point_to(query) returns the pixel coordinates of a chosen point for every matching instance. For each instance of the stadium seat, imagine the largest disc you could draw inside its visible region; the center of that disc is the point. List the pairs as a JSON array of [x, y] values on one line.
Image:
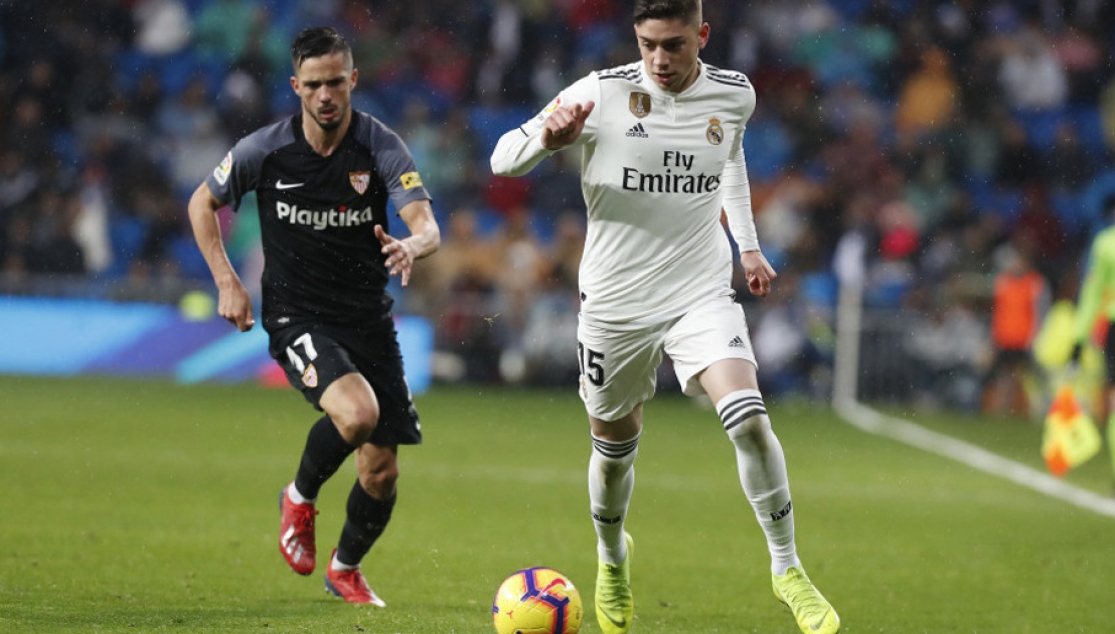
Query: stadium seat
[[191, 263], [67, 147], [126, 233], [129, 65], [768, 147], [1089, 129], [820, 288], [177, 70], [594, 42], [488, 221], [489, 123], [1068, 208], [1041, 126]]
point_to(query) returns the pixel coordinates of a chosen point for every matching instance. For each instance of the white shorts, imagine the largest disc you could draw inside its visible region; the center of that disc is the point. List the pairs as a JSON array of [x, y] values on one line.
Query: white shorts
[[618, 366]]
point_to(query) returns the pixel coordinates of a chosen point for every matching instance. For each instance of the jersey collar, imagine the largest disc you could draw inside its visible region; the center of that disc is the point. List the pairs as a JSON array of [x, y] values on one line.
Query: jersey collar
[[653, 87]]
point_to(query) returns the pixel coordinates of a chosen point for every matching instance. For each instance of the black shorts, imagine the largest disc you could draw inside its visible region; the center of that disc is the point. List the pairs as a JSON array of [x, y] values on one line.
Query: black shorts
[[315, 355]]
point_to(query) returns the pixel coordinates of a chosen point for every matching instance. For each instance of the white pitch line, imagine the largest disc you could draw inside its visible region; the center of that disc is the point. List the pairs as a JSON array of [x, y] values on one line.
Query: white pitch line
[[874, 422]]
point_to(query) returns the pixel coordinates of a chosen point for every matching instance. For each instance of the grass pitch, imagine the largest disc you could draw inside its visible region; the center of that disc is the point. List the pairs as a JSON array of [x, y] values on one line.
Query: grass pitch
[[139, 506]]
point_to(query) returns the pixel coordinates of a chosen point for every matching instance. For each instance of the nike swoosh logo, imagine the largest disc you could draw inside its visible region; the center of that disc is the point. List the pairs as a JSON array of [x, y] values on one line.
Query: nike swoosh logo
[[820, 622], [281, 185], [622, 623]]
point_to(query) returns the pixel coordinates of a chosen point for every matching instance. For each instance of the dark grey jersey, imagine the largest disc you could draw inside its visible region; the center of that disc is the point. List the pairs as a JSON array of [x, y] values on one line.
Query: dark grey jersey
[[317, 216]]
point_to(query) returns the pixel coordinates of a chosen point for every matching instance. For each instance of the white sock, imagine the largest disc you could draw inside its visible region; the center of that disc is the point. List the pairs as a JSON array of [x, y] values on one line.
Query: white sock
[[762, 473], [611, 478], [296, 497], [335, 564]]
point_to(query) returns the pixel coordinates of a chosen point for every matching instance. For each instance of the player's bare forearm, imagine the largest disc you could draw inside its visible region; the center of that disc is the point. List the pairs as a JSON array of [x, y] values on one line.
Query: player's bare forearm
[[424, 239], [425, 236], [202, 209], [234, 303]]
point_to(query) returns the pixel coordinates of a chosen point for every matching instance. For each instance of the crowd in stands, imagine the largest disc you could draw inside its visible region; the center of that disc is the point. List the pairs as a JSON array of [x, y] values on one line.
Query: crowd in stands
[[914, 145]]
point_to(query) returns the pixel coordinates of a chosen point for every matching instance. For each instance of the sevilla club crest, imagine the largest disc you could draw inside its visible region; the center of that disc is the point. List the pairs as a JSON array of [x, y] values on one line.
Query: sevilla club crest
[[360, 181]]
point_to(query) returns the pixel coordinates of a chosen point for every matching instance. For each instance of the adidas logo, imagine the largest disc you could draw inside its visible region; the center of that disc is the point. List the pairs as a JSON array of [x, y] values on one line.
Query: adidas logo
[[637, 130], [783, 512], [736, 342]]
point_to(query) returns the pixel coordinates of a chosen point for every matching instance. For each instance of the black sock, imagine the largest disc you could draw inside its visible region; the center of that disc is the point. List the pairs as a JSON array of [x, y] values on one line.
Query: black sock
[[325, 452], [367, 517]]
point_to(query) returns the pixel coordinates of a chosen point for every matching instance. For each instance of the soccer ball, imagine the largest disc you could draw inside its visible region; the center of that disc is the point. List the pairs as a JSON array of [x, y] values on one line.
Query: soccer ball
[[537, 601]]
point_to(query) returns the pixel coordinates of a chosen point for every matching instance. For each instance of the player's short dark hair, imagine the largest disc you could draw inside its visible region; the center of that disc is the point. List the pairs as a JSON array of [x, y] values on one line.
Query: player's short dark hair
[[318, 42], [684, 10]]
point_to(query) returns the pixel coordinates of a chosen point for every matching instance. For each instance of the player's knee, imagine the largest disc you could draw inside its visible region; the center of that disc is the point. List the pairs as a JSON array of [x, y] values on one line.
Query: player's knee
[[356, 420], [752, 429], [380, 480], [744, 416]]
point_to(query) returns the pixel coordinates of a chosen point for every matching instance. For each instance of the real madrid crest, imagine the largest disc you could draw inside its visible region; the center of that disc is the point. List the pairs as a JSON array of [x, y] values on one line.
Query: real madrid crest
[[360, 181], [714, 133], [639, 103]]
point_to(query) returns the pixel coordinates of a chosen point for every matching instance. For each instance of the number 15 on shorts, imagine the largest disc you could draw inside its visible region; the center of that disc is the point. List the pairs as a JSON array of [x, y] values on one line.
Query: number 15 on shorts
[[589, 363]]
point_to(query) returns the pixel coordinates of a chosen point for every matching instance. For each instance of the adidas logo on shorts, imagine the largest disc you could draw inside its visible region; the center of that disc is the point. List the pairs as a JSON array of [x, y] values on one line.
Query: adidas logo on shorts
[[736, 342], [637, 130]]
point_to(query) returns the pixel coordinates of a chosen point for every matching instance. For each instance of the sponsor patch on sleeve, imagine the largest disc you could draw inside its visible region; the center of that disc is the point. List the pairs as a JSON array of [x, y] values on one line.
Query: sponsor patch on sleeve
[[553, 105], [410, 180], [223, 170]]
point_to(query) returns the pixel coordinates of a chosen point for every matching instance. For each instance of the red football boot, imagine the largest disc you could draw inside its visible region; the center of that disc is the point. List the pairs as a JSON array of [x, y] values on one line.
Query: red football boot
[[296, 534]]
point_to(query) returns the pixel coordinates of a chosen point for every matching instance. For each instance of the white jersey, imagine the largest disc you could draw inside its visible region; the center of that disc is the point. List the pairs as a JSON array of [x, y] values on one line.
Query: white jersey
[[652, 166]]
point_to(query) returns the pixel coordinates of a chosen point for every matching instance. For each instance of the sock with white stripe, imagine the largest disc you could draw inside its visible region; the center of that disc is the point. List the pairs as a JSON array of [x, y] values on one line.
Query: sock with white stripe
[[611, 478], [762, 473]]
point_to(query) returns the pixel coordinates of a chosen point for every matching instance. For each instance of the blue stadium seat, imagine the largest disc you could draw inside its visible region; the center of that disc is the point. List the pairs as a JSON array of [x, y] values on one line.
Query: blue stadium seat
[[850, 9], [1068, 208], [488, 221], [67, 147], [820, 288], [177, 70], [129, 65], [489, 124], [195, 6], [126, 233], [768, 148], [543, 227], [191, 263], [594, 42], [1041, 126], [1089, 129]]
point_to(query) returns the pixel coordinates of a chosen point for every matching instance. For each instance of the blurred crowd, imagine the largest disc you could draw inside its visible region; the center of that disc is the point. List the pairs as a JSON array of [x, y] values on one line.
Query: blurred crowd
[[917, 147]]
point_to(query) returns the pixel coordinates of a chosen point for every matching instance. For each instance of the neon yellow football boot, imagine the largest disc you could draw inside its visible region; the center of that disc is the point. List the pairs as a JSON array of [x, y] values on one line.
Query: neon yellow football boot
[[615, 607], [812, 612]]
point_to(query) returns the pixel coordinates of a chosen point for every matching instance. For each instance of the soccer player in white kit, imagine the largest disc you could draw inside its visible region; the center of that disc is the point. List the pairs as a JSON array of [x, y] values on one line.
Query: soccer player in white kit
[[661, 155]]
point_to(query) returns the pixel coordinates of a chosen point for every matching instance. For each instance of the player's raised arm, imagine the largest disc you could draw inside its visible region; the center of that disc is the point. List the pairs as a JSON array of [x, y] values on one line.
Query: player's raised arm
[[234, 303], [565, 125], [555, 128]]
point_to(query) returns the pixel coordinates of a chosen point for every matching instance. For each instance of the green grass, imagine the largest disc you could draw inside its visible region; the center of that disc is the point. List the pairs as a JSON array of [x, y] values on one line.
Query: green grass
[[138, 506]]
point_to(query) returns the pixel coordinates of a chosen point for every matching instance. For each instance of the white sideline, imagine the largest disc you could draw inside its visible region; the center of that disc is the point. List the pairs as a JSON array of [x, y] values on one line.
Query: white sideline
[[874, 422]]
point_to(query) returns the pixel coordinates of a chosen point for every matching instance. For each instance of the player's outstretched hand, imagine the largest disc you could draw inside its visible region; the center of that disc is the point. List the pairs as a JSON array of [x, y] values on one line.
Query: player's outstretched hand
[[565, 124], [235, 305], [400, 257], [759, 272]]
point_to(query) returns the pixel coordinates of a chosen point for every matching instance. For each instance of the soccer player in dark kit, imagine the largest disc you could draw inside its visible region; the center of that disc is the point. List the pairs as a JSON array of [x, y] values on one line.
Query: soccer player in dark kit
[[323, 179]]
